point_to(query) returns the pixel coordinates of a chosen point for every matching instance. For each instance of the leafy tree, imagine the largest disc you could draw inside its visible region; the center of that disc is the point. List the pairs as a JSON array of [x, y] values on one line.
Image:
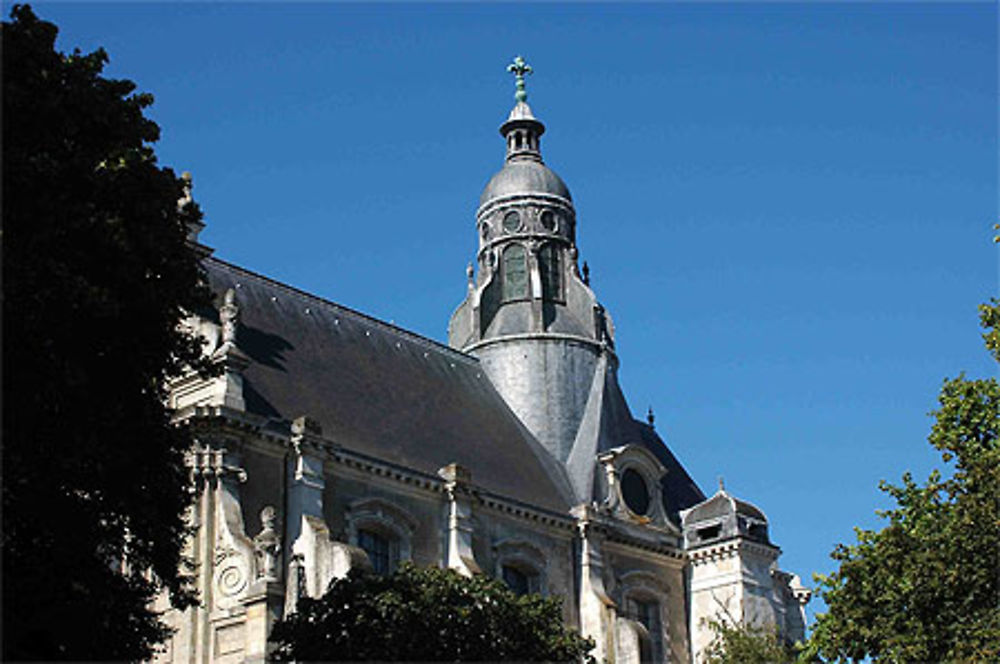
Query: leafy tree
[[429, 615], [96, 275], [927, 586], [745, 644]]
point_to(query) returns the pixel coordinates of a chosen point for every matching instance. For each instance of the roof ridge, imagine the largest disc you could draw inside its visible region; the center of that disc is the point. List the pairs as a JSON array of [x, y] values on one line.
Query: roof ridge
[[390, 327]]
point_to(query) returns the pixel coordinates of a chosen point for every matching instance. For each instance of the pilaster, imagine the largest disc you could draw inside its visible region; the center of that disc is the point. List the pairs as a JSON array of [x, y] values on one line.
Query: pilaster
[[460, 556]]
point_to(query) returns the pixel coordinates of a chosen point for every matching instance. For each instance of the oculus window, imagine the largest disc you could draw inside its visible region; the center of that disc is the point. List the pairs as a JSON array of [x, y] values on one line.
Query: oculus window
[[634, 491], [511, 221], [548, 220]]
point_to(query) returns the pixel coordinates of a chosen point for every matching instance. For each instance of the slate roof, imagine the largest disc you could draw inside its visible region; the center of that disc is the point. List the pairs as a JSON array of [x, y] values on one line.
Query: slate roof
[[382, 391], [680, 491]]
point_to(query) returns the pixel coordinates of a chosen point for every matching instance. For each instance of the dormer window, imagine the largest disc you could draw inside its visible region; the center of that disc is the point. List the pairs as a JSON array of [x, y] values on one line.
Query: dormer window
[[709, 532]]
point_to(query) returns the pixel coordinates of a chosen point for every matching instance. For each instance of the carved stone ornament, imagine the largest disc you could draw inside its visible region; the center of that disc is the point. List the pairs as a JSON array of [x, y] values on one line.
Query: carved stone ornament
[[229, 314], [267, 546]]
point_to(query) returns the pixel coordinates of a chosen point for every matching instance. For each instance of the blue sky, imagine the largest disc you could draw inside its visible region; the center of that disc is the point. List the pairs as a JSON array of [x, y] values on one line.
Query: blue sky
[[786, 208]]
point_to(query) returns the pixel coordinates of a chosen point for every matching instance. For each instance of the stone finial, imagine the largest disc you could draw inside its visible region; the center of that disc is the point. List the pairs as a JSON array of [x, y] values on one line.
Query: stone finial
[[470, 274], [306, 425], [519, 68], [454, 472], [650, 417], [186, 196], [586, 273], [722, 485]]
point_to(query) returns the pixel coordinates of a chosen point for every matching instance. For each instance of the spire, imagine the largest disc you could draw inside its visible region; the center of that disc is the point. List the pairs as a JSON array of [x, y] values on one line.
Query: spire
[[522, 130]]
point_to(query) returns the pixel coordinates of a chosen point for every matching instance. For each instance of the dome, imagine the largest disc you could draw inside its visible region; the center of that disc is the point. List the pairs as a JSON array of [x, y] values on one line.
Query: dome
[[524, 177]]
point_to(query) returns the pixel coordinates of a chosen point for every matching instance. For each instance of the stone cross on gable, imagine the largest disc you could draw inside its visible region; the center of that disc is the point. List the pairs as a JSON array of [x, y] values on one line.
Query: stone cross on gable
[[519, 68]]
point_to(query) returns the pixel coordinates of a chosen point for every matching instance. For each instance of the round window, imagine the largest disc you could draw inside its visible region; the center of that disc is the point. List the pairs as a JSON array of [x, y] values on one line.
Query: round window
[[511, 221], [549, 220], [634, 491]]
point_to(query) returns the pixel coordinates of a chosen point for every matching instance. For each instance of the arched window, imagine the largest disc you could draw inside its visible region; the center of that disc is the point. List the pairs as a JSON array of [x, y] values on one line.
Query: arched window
[[515, 273], [521, 579], [644, 599], [379, 548], [646, 612], [521, 565], [548, 265], [381, 529]]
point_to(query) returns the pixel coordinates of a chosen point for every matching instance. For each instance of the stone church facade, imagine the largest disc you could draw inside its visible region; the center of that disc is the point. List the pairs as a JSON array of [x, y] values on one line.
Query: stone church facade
[[333, 440]]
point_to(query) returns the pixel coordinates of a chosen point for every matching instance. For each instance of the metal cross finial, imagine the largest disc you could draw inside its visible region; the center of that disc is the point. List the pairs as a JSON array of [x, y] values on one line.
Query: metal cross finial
[[519, 68]]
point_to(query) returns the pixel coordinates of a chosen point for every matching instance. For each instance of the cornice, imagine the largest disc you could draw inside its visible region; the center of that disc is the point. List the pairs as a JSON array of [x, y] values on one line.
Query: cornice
[[730, 549]]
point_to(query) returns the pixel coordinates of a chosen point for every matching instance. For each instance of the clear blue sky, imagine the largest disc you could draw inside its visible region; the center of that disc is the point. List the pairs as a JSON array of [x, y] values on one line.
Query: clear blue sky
[[787, 209]]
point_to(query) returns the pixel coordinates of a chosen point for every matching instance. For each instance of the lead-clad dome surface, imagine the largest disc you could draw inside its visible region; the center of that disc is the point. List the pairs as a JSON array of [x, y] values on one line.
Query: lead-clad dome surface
[[524, 177]]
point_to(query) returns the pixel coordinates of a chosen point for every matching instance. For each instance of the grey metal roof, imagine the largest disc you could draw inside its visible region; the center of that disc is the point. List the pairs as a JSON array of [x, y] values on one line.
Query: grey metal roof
[[722, 504], [383, 391], [524, 177], [608, 424], [680, 491]]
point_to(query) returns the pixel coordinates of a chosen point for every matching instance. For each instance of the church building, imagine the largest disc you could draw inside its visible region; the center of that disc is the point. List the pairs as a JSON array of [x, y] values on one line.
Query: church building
[[333, 440]]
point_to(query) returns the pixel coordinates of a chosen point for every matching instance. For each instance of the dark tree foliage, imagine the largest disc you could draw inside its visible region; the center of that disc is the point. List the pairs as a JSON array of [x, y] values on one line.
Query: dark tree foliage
[[96, 277], [426, 615], [926, 588]]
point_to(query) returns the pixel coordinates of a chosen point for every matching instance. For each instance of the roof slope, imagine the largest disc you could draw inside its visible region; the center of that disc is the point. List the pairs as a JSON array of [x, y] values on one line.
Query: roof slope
[[383, 391], [607, 424]]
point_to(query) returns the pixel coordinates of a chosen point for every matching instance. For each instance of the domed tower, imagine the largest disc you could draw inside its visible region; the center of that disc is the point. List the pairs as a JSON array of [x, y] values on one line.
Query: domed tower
[[529, 316]]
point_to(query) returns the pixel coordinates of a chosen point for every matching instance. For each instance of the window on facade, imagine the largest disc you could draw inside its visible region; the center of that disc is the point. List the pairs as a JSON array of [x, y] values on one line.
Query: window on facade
[[521, 581], [548, 265], [515, 273], [511, 221], [548, 220], [635, 492], [709, 532], [379, 550], [647, 613]]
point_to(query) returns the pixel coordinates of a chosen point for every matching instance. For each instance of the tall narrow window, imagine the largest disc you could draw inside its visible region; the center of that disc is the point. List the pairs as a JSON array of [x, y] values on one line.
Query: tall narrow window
[[548, 265], [515, 273], [647, 613], [378, 548]]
